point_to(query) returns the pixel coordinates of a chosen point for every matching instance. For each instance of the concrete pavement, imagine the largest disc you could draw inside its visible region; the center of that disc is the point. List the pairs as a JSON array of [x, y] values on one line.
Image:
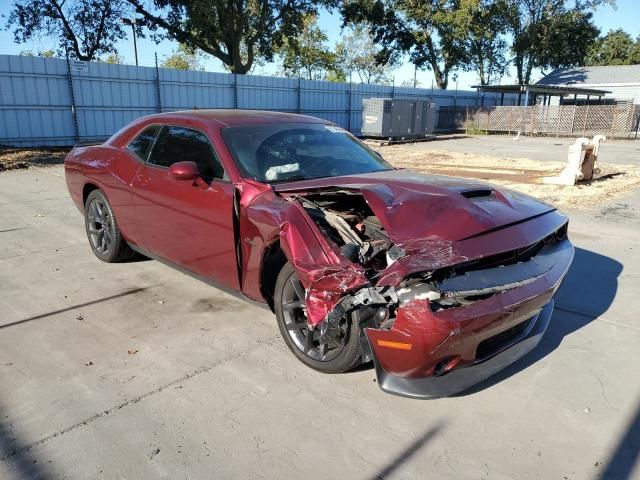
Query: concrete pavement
[[536, 148], [137, 371]]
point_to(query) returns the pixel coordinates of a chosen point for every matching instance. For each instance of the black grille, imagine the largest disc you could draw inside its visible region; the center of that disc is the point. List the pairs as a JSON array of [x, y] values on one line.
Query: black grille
[[493, 345]]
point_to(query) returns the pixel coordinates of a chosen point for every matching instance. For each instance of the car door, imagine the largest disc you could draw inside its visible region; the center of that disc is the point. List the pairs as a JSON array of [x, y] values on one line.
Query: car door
[[188, 223]]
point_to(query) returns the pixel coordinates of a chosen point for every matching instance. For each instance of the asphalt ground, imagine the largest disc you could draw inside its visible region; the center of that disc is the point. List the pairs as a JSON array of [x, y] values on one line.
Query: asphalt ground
[[137, 371]]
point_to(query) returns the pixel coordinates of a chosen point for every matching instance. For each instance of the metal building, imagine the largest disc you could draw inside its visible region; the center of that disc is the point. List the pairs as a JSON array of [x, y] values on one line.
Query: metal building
[[622, 82]]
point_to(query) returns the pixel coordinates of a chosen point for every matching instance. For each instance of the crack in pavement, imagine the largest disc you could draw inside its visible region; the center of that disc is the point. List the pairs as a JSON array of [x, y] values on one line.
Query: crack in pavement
[[198, 371]]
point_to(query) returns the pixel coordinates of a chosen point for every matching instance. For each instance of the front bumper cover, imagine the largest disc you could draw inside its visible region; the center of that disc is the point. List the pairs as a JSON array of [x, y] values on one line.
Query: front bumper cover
[[462, 378]]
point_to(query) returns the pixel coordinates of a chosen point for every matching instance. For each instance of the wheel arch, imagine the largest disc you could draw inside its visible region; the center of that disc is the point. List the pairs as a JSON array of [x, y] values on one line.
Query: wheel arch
[[273, 260], [86, 191]]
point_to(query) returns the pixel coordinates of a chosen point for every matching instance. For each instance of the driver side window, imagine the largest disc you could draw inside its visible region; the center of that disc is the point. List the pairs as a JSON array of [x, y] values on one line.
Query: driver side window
[[180, 144]]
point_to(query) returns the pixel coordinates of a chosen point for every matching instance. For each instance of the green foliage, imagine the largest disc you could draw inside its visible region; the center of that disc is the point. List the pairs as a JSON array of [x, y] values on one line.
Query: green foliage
[[184, 58], [85, 29], [236, 32], [47, 54], [486, 42], [113, 59], [42, 53], [446, 36], [615, 48], [432, 32], [471, 128], [307, 55], [357, 54], [550, 33]]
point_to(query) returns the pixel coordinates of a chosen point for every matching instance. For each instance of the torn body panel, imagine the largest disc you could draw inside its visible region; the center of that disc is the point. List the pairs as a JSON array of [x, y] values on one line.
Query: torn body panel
[[266, 218]]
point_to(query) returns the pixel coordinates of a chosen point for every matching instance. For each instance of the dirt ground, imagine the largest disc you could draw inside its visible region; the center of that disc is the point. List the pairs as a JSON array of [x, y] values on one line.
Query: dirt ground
[[17, 158], [522, 174]]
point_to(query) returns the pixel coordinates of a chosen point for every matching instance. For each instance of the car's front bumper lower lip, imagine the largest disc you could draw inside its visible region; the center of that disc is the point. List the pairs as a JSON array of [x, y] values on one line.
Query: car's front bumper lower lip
[[462, 378]]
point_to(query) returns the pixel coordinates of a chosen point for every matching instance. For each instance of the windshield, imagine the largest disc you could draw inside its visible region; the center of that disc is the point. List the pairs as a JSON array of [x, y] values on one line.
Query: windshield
[[299, 151]]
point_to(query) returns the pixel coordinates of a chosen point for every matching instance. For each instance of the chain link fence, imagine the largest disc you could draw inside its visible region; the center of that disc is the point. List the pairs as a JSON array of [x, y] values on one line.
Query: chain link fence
[[615, 121]]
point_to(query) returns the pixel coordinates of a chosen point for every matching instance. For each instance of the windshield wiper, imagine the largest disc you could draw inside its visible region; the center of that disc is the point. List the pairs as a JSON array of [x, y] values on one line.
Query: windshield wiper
[[292, 178]]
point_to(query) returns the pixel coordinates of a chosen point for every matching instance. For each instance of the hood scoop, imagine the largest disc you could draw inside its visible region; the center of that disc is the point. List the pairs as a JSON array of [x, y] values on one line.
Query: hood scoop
[[478, 193]]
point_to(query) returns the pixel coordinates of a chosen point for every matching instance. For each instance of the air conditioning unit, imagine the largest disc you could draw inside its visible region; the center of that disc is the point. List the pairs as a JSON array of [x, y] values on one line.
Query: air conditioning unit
[[395, 118]]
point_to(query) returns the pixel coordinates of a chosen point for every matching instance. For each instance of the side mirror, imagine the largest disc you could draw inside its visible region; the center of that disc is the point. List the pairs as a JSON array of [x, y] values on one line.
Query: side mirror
[[183, 171]]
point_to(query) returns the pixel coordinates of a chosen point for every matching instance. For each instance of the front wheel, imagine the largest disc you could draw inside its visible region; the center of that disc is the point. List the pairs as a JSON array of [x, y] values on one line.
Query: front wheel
[[336, 352], [102, 230]]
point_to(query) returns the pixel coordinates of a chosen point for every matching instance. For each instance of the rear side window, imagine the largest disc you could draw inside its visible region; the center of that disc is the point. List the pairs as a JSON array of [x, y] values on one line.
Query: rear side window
[[180, 144], [141, 145]]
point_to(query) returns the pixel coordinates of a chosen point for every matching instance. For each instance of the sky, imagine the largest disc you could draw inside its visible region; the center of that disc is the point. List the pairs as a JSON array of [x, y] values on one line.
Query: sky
[[626, 15]]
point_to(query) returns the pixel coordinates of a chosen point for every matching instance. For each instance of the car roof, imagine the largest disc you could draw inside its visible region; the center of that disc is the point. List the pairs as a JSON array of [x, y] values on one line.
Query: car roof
[[239, 117]]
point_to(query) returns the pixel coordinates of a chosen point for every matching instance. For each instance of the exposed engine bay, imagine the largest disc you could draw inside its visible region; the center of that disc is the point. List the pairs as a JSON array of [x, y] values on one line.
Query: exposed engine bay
[[347, 221]]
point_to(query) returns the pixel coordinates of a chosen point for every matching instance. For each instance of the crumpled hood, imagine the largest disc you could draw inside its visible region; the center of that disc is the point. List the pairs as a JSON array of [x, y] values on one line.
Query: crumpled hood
[[412, 206]]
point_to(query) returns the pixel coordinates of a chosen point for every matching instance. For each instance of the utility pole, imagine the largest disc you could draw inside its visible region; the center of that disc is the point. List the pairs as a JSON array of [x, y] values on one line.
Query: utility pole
[[415, 74], [132, 22]]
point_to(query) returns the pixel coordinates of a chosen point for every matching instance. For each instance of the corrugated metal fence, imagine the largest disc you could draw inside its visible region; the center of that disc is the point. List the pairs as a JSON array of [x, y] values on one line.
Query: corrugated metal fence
[[48, 101]]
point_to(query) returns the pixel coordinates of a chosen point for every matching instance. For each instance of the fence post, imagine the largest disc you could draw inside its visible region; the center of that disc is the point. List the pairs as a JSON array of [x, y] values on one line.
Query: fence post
[[455, 98], [349, 108], [74, 113], [235, 90], [586, 116], [573, 120], [559, 119], [158, 96], [466, 122], [299, 89], [532, 119]]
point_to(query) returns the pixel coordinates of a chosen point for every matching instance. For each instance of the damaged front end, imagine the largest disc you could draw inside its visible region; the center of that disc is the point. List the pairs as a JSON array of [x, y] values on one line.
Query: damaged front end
[[439, 311], [438, 315]]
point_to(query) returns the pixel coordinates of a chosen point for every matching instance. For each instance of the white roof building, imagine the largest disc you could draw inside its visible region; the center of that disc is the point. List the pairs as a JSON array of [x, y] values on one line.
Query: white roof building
[[623, 81]]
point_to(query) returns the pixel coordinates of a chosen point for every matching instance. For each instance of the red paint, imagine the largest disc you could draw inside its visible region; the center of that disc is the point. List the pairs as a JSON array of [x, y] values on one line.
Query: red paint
[[183, 171], [179, 217]]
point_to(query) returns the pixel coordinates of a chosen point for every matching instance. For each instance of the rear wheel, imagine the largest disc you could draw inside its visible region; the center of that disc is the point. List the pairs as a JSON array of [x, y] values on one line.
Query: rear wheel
[[102, 230], [338, 350]]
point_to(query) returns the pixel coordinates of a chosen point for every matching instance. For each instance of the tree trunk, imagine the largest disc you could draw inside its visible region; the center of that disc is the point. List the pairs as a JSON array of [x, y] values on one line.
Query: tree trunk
[[518, 62]]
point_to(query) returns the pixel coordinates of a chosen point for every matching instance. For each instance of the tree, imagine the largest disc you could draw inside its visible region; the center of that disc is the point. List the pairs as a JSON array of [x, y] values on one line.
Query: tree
[[113, 59], [358, 53], [234, 31], [615, 48], [42, 53], [549, 34], [85, 29], [411, 83], [486, 43], [308, 56], [431, 31], [634, 58], [184, 58]]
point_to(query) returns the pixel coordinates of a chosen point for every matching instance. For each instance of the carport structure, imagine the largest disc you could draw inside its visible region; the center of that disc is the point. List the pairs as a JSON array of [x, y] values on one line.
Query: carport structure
[[532, 92]]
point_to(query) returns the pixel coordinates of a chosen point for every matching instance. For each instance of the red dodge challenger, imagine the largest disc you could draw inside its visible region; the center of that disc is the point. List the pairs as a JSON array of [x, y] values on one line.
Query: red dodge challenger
[[440, 281]]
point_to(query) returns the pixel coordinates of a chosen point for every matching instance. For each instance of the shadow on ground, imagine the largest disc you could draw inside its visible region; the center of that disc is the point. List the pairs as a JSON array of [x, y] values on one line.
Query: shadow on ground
[[131, 291], [579, 301], [407, 453], [17, 458], [625, 455]]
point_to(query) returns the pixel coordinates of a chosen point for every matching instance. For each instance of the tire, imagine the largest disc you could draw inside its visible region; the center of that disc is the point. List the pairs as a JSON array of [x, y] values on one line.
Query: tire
[[338, 356], [102, 230]]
